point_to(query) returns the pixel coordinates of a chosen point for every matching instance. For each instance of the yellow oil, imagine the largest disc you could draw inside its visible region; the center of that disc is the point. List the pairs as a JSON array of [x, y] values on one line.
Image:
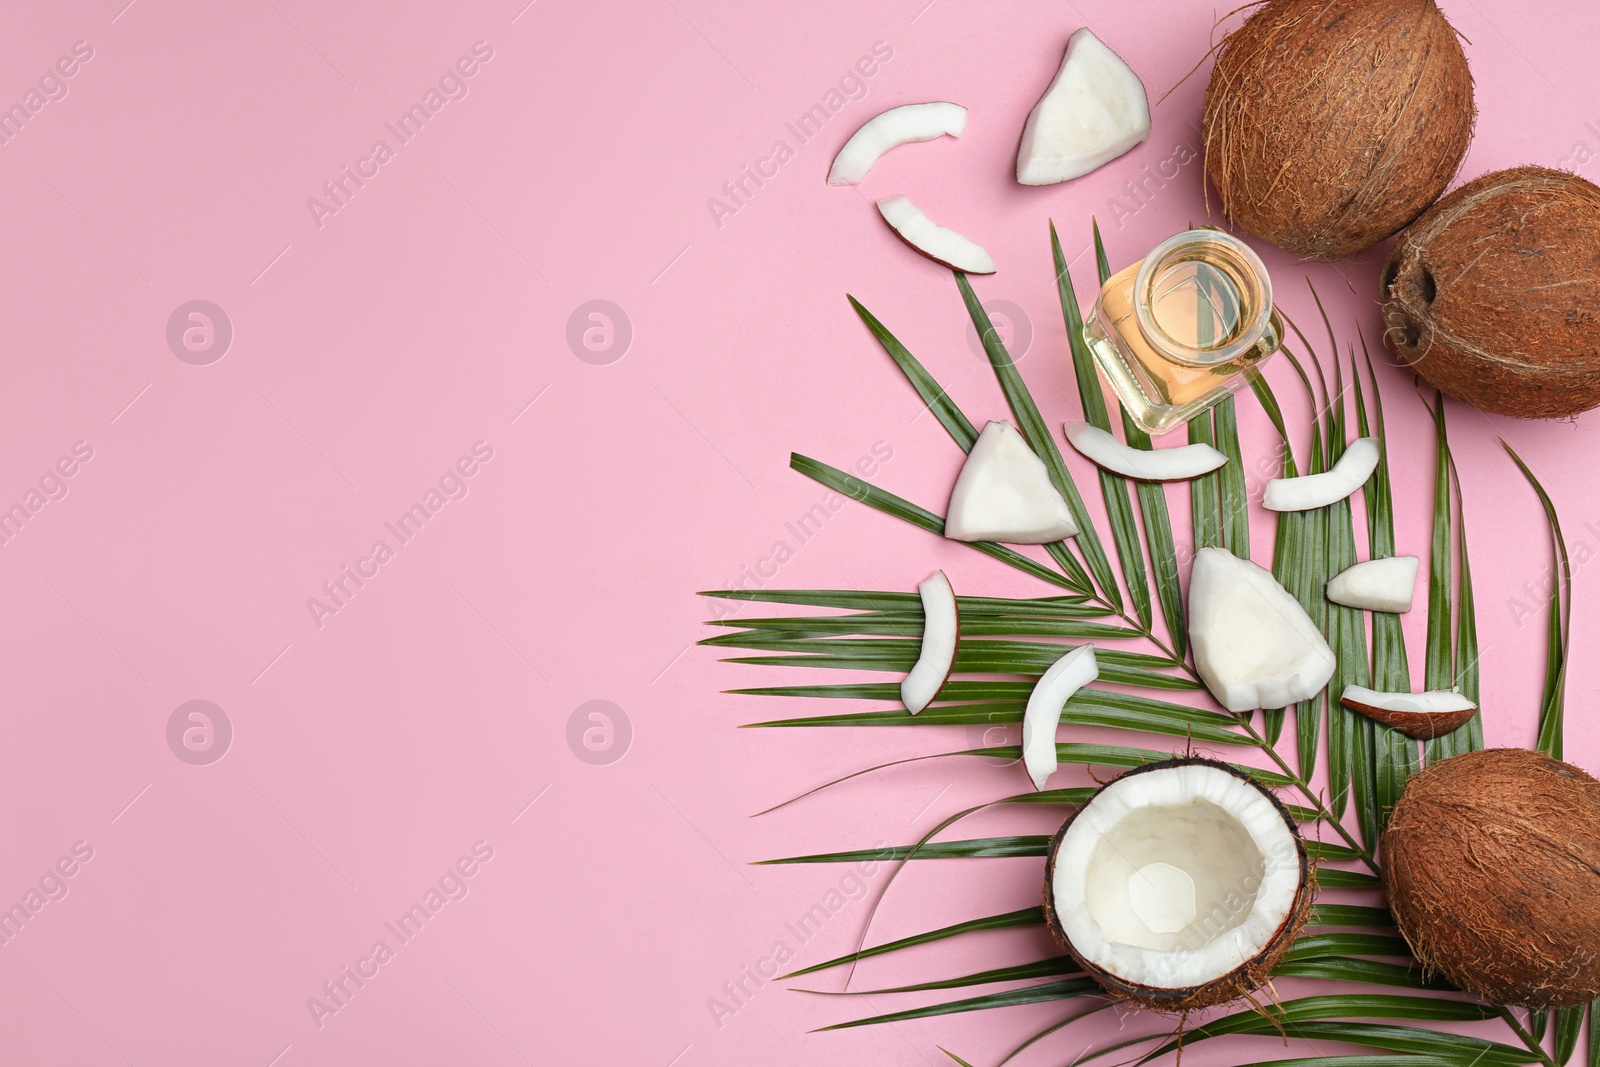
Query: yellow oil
[[1186, 354]]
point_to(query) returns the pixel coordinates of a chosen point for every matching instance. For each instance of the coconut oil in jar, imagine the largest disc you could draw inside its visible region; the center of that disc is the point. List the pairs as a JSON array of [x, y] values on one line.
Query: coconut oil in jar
[[1182, 328]]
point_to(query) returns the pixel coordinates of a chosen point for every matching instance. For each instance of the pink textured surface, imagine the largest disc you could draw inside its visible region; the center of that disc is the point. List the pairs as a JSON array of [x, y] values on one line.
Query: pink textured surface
[[373, 347]]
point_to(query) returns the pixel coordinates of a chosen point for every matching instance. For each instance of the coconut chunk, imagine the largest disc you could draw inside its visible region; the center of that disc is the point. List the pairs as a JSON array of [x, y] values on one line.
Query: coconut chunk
[[1004, 493], [1094, 111], [934, 241], [1387, 584], [1049, 698], [906, 124], [1143, 464], [1421, 715], [1179, 885], [1254, 645], [1319, 490], [941, 636]]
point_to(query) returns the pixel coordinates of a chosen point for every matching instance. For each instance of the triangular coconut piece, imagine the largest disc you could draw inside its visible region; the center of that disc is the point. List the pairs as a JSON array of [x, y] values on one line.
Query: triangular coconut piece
[[1254, 644], [1004, 493], [1094, 111]]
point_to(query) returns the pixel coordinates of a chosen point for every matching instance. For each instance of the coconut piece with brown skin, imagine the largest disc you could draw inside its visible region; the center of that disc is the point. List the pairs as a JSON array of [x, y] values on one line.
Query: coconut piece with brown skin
[[1179, 885], [1331, 124], [1492, 866], [1423, 716], [1494, 294]]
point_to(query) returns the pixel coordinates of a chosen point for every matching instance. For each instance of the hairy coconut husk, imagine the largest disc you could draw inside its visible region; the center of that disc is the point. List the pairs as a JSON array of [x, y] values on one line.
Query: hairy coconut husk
[[1331, 124], [1492, 866], [1230, 987], [1494, 294]]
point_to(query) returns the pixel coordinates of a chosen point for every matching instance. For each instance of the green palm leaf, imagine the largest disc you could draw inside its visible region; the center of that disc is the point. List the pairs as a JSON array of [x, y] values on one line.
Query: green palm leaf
[[1552, 708], [889, 504], [1001, 637], [1033, 429], [1152, 501], [1234, 499], [1113, 487], [1439, 667], [932, 393], [1393, 756], [1005, 921], [1052, 967], [876, 600], [1306, 1018], [1036, 994]]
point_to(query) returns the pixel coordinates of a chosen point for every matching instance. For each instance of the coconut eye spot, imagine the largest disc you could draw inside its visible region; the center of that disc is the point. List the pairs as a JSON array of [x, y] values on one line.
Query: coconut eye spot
[[1170, 877], [1430, 289]]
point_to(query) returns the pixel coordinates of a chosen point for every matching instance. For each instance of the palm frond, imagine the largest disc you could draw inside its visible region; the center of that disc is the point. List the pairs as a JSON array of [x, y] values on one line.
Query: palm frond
[[1552, 708], [1005, 643]]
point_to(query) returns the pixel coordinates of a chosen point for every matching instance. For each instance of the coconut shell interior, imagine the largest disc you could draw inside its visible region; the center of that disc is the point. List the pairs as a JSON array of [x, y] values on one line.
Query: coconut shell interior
[[1230, 987]]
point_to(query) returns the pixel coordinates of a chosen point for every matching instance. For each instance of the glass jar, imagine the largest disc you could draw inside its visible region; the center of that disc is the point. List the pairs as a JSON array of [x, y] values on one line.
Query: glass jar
[[1179, 330]]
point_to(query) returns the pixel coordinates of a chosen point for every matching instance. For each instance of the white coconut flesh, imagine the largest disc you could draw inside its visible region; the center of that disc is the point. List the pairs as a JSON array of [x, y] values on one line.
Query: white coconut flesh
[[1387, 584], [1309, 491], [1048, 699], [1254, 645], [932, 240], [941, 635], [901, 125], [1175, 877], [1004, 493], [1094, 111], [1432, 702], [1142, 464]]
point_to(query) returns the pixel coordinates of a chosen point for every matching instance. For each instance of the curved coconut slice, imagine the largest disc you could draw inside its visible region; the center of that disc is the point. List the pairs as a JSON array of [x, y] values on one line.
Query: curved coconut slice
[[1387, 584], [905, 124], [1179, 885], [1319, 490], [1254, 645], [932, 240], [941, 635], [1004, 493], [1420, 715], [1050, 694], [1094, 111], [1143, 464]]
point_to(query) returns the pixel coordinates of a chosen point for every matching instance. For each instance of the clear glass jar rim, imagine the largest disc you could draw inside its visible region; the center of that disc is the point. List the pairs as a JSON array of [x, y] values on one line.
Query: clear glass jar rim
[[1250, 333]]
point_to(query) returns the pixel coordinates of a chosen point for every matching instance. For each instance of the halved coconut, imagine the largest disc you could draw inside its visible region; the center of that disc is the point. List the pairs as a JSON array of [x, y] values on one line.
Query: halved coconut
[[1319, 490], [1004, 493], [1143, 464], [1421, 715], [1050, 694], [932, 240], [905, 124], [1387, 584], [1254, 645], [941, 636], [1094, 111], [1179, 885]]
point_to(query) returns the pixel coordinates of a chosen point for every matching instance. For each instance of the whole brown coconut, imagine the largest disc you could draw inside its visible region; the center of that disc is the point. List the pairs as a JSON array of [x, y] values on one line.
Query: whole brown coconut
[[1492, 866], [1331, 124], [1494, 294]]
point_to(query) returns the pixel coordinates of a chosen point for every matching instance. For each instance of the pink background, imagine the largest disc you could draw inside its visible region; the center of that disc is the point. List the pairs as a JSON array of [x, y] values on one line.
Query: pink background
[[372, 350]]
